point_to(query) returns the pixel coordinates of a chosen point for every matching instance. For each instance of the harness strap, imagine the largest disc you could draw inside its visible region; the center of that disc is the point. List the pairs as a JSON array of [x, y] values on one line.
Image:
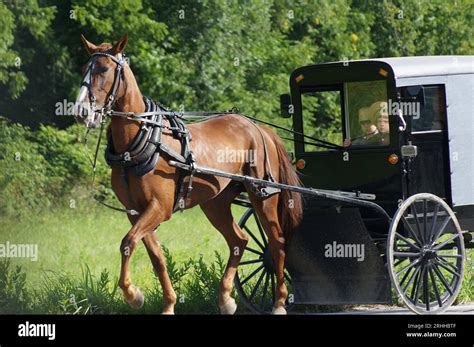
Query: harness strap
[[172, 153], [179, 199]]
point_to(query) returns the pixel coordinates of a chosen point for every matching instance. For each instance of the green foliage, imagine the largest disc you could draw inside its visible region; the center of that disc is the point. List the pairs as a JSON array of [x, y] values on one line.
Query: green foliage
[[41, 167], [211, 54], [197, 286], [14, 296], [24, 184], [14, 80]]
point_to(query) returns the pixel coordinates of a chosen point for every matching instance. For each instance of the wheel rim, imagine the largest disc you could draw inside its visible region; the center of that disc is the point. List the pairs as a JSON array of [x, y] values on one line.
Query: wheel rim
[[425, 254], [255, 279]]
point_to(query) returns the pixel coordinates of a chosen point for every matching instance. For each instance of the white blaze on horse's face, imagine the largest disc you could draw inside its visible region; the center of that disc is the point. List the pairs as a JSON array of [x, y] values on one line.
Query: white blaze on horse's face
[[83, 108], [90, 102]]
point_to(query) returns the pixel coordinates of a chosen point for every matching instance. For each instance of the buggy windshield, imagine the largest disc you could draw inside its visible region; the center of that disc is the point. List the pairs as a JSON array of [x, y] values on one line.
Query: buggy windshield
[[352, 114]]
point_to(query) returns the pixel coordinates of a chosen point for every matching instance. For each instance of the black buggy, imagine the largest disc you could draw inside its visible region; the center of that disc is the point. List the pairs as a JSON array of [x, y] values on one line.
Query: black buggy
[[394, 176]]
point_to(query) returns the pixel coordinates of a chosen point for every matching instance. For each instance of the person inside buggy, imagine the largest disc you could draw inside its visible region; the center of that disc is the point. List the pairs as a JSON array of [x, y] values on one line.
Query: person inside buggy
[[374, 124]]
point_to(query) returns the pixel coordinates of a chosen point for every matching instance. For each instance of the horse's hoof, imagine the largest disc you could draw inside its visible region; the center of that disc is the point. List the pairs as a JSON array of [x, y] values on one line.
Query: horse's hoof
[[229, 307], [137, 302], [279, 310], [168, 312]]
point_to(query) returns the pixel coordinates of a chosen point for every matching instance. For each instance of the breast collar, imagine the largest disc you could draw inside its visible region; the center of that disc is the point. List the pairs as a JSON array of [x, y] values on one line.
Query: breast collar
[[144, 152]]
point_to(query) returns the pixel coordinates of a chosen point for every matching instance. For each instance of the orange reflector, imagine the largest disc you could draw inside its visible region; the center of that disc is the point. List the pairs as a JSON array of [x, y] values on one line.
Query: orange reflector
[[393, 159], [300, 164], [383, 72], [299, 78]]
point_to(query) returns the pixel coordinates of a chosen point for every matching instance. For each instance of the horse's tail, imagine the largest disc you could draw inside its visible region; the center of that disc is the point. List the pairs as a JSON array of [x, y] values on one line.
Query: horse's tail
[[290, 205]]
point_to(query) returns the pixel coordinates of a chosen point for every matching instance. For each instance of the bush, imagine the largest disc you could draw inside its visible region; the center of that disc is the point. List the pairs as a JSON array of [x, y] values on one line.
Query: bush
[[14, 297], [41, 168], [24, 183]]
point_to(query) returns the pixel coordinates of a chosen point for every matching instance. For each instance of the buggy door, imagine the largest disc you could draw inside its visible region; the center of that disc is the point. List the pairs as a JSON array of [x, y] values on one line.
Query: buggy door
[[428, 172]]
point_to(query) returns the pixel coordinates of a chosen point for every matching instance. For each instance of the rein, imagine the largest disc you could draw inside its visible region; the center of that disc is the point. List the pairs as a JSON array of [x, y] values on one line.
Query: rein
[[131, 212]]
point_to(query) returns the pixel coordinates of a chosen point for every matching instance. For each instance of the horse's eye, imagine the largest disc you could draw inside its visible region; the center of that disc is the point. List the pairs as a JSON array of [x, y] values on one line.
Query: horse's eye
[[102, 69]]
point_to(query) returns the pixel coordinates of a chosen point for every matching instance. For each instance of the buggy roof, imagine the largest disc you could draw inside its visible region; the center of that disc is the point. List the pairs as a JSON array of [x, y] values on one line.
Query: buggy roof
[[405, 67]]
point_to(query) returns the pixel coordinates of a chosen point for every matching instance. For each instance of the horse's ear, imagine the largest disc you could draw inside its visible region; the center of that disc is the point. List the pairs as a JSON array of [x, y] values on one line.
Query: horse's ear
[[119, 47], [89, 46]]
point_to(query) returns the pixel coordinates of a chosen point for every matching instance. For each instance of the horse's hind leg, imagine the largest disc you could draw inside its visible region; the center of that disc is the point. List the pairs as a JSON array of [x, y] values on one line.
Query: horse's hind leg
[[159, 264], [218, 211], [267, 211]]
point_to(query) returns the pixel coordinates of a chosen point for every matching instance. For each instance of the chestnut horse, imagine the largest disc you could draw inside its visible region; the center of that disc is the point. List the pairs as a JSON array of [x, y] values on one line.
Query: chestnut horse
[[153, 194]]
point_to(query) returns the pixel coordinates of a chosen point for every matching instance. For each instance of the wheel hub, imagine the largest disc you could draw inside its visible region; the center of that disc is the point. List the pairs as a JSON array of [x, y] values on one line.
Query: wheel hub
[[428, 253]]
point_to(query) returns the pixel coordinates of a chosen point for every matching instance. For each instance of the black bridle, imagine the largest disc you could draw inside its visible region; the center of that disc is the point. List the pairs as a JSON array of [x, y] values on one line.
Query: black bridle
[[112, 95]]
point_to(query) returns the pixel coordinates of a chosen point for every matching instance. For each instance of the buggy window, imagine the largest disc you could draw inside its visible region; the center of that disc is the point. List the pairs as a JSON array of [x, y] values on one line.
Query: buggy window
[[322, 116], [430, 112], [367, 114]]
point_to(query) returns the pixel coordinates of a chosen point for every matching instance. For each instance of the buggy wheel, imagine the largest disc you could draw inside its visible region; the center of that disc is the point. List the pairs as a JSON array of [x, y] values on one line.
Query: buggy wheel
[[255, 279], [425, 254]]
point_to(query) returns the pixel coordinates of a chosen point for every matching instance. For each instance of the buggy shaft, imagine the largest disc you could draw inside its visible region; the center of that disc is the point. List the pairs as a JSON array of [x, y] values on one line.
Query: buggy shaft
[[326, 194]]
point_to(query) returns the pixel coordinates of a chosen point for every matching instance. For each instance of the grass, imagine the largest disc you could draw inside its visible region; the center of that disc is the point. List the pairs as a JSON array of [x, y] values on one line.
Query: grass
[[68, 238]]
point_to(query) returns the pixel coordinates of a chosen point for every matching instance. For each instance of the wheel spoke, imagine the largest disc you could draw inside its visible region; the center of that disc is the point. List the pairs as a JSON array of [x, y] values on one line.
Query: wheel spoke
[[253, 251], [410, 281], [254, 237], [265, 287], [443, 280], [398, 262], [411, 231], [450, 255], [405, 276], [254, 261], [448, 266], [252, 274], [415, 284], [418, 285], [433, 280], [262, 234], [440, 231], [433, 224], [417, 222], [407, 241], [413, 263], [406, 254], [438, 246], [257, 285], [425, 219], [448, 269], [426, 287]]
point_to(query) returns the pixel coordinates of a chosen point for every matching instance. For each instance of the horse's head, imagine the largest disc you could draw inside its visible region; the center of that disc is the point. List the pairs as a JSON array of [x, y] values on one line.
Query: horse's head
[[103, 81]]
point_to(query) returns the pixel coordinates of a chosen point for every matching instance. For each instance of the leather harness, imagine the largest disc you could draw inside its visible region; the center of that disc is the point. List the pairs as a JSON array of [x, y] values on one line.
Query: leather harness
[[144, 151]]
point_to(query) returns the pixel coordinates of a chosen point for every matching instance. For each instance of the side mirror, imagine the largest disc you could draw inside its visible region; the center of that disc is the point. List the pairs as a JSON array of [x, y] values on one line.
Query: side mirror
[[286, 107]]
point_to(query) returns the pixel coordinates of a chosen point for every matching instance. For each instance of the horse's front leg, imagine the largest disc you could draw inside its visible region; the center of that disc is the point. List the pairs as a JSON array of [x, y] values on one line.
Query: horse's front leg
[[159, 264], [147, 221]]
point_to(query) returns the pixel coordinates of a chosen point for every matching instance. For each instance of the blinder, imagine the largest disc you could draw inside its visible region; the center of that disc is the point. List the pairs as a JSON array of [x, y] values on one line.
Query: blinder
[[118, 77]]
